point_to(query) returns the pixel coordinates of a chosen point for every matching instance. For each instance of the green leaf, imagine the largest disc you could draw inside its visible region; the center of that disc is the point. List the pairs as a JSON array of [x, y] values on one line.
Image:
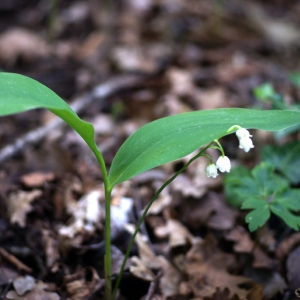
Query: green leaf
[[290, 198], [282, 212], [264, 92], [267, 182], [173, 137], [238, 185], [260, 213], [20, 93], [284, 158], [295, 78]]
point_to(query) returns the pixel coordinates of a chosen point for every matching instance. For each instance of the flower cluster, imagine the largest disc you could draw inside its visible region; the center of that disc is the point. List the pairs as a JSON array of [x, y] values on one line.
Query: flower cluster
[[223, 162], [244, 138]]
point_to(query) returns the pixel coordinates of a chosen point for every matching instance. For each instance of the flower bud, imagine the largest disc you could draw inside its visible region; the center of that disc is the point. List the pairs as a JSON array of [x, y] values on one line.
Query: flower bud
[[223, 164], [211, 171]]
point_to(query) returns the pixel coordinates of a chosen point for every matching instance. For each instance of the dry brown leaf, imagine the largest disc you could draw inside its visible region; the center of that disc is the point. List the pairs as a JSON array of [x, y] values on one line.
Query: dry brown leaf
[[287, 245], [205, 278], [177, 233], [79, 287], [181, 81], [244, 243], [19, 204], [36, 179], [20, 42], [36, 292], [212, 98], [206, 267], [169, 282]]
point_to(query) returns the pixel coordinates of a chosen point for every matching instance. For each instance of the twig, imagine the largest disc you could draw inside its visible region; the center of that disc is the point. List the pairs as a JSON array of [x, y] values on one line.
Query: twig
[[153, 286], [101, 91], [12, 259]]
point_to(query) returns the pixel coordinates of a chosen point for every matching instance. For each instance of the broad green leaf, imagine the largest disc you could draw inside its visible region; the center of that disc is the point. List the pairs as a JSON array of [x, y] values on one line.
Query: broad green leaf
[[20, 93], [282, 212], [260, 213], [173, 137], [284, 158]]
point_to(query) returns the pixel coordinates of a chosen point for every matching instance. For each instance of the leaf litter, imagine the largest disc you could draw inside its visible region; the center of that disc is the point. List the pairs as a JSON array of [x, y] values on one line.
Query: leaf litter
[[156, 58]]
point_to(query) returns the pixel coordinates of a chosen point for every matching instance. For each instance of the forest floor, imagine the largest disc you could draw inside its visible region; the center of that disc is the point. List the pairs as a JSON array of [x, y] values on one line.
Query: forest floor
[[122, 64]]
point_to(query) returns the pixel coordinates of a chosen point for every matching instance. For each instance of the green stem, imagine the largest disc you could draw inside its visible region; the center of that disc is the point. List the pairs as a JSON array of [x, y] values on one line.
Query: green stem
[[145, 213], [107, 256]]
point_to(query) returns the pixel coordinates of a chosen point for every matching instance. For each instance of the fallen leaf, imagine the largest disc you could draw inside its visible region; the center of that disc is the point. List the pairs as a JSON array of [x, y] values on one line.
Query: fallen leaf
[[19, 42], [36, 293], [244, 244], [82, 284], [19, 204], [36, 179]]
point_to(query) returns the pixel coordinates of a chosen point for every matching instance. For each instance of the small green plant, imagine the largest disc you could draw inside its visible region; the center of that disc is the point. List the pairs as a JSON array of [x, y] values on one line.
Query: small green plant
[[263, 192], [152, 145], [270, 187]]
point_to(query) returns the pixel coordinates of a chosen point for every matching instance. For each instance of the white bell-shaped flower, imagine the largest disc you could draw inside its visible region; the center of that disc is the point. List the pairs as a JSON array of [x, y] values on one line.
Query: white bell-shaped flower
[[243, 133], [223, 164], [246, 144], [244, 138], [211, 171]]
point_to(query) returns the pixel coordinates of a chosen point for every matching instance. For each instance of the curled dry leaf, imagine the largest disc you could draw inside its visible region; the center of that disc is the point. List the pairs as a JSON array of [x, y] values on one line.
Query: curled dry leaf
[[19, 204], [169, 282]]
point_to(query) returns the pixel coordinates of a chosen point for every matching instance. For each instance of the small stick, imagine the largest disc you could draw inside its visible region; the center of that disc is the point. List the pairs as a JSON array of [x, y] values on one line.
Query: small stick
[[12, 259]]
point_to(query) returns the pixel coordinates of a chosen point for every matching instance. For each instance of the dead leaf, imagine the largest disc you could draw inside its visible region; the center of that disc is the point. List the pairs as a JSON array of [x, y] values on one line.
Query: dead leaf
[[36, 179], [79, 287], [212, 98], [286, 245], [19, 204], [177, 233], [19, 42], [50, 247], [169, 282], [37, 292], [244, 244], [86, 213], [293, 266]]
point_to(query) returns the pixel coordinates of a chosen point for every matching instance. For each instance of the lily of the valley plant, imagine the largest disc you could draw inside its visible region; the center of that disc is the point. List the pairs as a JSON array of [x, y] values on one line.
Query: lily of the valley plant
[[152, 145]]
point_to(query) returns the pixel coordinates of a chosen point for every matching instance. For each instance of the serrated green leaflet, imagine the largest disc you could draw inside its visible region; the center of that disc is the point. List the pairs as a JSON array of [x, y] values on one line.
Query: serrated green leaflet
[[285, 159], [20, 93], [260, 213], [282, 212], [171, 138]]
